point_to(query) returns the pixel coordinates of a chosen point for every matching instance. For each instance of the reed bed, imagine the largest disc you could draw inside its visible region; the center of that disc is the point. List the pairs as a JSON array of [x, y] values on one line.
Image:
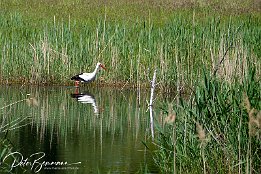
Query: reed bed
[[52, 49], [216, 129]]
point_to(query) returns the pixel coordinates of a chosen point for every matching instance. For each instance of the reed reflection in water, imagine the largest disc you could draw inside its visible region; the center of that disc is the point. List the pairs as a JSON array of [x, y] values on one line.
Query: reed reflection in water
[[101, 128]]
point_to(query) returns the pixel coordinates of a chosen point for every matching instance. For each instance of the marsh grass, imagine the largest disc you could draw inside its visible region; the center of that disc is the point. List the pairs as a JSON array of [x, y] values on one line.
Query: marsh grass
[[216, 130], [50, 49]]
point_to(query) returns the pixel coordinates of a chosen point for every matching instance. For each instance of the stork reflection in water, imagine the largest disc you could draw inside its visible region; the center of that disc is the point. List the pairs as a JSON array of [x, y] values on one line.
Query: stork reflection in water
[[87, 98]]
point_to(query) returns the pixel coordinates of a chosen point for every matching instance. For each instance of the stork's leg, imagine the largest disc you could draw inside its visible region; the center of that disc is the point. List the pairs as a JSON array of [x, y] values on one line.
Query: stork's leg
[[76, 84], [76, 91]]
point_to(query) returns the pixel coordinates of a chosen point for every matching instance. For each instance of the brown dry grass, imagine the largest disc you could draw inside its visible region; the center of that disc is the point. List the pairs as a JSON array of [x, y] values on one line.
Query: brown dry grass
[[254, 118]]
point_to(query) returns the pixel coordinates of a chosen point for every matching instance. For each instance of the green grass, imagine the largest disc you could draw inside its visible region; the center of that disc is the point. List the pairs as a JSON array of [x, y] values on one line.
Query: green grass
[[218, 129], [48, 42]]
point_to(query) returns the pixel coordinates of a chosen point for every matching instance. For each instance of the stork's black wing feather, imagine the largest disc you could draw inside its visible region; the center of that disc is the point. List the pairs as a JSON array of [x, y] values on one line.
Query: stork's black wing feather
[[77, 77]]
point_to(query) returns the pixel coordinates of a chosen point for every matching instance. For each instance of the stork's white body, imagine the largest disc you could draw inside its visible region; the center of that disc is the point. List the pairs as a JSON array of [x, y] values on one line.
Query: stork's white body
[[87, 77]]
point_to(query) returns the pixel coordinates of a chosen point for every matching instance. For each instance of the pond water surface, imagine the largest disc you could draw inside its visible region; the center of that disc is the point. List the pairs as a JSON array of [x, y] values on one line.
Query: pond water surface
[[89, 130]]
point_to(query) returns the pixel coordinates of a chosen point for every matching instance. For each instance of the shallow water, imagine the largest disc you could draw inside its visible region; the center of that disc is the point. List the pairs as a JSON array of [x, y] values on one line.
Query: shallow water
[[93, 130]]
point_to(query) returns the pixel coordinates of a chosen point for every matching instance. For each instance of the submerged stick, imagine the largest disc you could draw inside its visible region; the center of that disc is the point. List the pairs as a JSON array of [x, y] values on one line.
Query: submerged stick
[[153, 85]]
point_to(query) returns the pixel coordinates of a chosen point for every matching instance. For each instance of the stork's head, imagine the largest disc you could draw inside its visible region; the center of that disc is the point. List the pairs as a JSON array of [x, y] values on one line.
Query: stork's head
[[101, 65]]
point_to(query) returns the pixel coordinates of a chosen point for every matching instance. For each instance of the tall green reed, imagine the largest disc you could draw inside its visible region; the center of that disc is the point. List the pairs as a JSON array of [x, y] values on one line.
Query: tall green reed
[[53, 50], [215, 131]]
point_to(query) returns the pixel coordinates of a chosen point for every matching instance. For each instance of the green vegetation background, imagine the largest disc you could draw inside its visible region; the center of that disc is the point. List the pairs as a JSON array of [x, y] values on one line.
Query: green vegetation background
[[215, 128], [49, 41]]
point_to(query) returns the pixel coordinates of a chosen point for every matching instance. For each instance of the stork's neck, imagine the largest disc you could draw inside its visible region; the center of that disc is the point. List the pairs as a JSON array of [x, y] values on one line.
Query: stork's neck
[[96, 69]]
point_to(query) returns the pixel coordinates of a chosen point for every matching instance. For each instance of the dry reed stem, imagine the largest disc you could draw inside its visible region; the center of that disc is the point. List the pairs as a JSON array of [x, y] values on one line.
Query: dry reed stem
[[202, 138], [201, 133], [171, 115], [254, 117], [234, 63], [32, 101]]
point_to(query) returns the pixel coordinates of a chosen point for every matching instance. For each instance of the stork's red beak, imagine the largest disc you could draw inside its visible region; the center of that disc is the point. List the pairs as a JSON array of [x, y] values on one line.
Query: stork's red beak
[[102, 66]]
